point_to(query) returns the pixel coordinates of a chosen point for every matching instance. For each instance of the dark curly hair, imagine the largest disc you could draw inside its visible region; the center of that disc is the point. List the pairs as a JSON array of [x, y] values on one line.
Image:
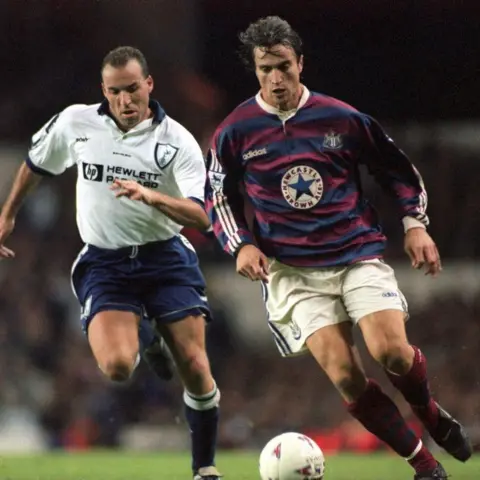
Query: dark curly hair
[[266, 33]]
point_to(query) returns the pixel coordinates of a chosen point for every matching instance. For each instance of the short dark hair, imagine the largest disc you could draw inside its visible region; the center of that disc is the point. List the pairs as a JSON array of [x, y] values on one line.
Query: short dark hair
[[120, 56], [266, 33]]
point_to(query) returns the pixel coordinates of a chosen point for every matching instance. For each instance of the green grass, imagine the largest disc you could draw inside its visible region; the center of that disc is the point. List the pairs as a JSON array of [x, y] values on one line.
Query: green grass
[[235, 466]]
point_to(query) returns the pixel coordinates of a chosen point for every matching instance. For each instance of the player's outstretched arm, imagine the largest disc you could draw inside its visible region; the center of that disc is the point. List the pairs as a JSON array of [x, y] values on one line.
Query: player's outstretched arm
[[395, 172], [24, 182], [183, 211]]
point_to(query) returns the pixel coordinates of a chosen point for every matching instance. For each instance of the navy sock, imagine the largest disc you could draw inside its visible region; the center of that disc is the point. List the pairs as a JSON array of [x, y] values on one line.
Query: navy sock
[[202, 414]]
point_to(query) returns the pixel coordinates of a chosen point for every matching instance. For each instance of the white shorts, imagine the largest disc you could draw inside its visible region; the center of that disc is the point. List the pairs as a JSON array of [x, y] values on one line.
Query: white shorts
[[302, 300]]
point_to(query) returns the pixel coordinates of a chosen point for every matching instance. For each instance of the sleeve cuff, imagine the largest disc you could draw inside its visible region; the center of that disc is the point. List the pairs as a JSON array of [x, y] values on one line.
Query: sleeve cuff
[[197, 200], [410, 222], [37, 170], [237, 250]]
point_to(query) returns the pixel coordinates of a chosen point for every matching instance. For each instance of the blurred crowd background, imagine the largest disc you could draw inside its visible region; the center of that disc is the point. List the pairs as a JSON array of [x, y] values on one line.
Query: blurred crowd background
[[412, 65]]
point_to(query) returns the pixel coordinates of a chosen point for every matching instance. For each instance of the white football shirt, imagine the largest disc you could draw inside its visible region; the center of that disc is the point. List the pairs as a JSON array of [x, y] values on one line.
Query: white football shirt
[[159, 153]]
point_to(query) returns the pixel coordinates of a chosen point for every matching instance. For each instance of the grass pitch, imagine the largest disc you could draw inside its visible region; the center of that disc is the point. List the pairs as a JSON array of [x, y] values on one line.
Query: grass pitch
[[118, 465]]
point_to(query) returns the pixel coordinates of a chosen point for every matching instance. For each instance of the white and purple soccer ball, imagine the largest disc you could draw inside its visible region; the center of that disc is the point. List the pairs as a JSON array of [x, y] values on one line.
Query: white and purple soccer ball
[[292, 456]]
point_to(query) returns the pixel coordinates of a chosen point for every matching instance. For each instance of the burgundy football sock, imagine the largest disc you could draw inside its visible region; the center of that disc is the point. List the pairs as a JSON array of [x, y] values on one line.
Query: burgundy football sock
[[380, 416], [416, 390]]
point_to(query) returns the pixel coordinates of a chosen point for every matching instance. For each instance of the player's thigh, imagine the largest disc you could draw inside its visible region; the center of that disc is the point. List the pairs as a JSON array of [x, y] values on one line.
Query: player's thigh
[[110, 311], [113, 338], [374, 301], [386, 339], [370, 287], [180, 313]]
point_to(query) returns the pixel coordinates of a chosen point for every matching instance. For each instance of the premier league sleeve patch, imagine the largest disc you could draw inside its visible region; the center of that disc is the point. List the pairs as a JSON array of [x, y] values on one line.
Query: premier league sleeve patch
[[164, 154], [216, 181]]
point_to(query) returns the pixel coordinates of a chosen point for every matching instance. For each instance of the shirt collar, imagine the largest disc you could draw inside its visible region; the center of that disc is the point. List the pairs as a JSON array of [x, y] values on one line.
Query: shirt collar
[[281, 113], [157, 110]]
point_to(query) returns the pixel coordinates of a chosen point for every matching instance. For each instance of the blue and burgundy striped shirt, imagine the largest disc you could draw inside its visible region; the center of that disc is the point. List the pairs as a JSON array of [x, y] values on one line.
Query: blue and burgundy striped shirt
[[290, 184]]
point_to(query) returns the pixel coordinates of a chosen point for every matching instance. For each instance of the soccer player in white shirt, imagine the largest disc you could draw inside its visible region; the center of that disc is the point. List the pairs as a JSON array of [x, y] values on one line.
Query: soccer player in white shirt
[[141, 178]]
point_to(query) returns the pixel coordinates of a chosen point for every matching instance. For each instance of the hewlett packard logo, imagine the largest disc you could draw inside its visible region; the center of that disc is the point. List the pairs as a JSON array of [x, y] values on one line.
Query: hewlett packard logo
[[92, 172]]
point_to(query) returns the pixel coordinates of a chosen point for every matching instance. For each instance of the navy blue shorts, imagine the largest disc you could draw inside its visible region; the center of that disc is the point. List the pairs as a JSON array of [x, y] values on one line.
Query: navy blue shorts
[[160, 280]]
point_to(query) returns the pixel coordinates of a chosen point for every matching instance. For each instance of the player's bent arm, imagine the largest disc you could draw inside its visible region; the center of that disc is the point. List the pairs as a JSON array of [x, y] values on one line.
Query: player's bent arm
[[225, 203], [395, 172], [25, 181], [185, 211]]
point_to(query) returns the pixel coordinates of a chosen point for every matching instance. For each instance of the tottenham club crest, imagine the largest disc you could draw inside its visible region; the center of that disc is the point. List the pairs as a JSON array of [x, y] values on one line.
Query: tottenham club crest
[[164, 154], [333, 141], [302, 187]]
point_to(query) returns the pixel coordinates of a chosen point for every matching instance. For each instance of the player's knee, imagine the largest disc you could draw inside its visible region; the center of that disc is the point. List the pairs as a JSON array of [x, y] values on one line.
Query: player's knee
[[118, 369], [395, 357]]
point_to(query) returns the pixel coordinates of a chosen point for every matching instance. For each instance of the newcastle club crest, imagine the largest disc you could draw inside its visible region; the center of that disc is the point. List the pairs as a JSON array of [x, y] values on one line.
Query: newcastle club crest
[[302, 187], [332, 141]]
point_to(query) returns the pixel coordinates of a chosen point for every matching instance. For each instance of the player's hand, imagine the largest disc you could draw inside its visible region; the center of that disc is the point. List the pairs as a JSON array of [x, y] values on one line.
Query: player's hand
[[6, 228], [422, 251], [252, 263], [132, 190]]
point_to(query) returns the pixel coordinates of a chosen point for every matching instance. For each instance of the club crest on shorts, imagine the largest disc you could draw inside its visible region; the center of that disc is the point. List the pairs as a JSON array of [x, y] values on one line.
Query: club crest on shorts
[[164, 154], [87, 308], [296, 331], [302, 187]]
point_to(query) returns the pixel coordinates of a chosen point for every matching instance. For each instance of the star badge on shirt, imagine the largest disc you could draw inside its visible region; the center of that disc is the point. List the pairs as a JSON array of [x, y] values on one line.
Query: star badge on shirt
[[302, 187]]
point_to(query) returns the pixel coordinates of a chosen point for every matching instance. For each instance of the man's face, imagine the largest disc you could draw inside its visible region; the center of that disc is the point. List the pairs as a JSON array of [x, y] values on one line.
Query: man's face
[[278, 71], [128, 93]]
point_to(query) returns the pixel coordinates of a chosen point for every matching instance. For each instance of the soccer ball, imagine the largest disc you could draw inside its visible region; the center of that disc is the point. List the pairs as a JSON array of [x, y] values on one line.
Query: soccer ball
[[292, 456]]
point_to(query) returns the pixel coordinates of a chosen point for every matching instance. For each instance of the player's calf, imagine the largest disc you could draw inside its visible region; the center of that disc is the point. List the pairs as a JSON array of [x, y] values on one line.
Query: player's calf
[[380, 416], [443, 428], [405, 366], [202, 413], [201, 398], [194, 369], [333, 349], [186, 340]]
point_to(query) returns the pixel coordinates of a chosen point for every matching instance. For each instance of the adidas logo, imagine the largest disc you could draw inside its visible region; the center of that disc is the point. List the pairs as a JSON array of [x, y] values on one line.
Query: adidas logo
[[254, 153]]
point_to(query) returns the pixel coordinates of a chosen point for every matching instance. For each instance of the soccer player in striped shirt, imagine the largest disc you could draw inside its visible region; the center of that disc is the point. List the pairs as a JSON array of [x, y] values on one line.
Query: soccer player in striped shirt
[[284, 198]]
